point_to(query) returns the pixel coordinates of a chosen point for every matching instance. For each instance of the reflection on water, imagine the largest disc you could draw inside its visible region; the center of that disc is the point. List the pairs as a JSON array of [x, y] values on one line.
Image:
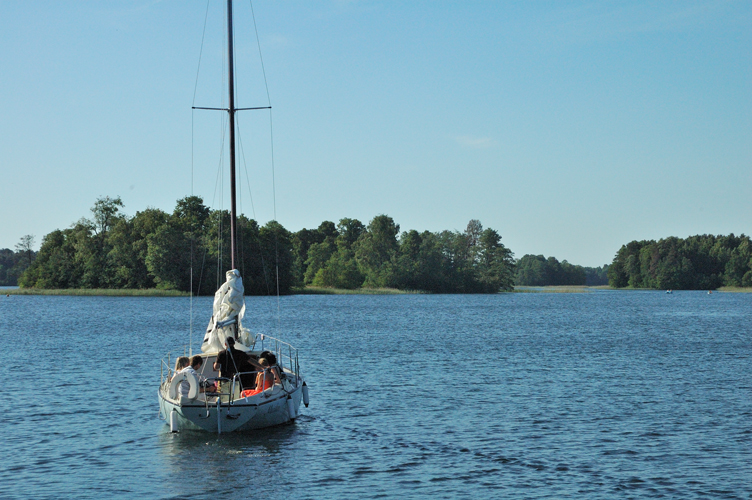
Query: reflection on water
[[216, 449], [255, 463]]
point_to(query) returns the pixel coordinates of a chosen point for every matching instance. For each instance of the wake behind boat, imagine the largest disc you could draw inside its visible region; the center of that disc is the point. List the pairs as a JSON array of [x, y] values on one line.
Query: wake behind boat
[[240, 381]]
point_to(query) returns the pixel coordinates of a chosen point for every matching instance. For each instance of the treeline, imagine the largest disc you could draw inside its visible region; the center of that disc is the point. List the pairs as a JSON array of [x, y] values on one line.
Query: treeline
[[351, 255], [154, 249], [13, 264], [702, 262], [537, 270]]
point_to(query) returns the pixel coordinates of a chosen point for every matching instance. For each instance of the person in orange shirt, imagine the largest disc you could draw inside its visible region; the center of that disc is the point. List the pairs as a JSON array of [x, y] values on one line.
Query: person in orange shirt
[[264, 380]]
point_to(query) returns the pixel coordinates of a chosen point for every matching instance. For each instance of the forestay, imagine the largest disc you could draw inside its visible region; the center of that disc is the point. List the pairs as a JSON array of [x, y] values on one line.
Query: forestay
[[229, 309]]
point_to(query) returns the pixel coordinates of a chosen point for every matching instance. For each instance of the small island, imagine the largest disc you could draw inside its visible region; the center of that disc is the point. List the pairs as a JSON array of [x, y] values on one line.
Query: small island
[[153, 252], [157, 250]]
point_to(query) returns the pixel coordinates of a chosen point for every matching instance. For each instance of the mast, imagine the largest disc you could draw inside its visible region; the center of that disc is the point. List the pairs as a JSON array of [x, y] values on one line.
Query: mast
[[231, 110]]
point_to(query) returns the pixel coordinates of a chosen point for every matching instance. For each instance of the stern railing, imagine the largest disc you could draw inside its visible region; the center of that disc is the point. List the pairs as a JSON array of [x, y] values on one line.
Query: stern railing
[[287, 358]]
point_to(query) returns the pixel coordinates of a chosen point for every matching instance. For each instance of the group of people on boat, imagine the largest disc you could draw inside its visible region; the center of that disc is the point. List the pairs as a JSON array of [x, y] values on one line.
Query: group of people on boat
[[256, 374]]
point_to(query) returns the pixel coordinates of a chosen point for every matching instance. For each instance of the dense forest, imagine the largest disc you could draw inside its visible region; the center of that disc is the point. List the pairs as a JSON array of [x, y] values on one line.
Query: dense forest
[[154, 249], [702, 262], [351, 255], [537, 270], [13, 264]]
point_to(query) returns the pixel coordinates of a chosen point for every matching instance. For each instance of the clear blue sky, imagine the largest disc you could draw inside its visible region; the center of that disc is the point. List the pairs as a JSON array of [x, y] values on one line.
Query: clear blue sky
[[569, 127]]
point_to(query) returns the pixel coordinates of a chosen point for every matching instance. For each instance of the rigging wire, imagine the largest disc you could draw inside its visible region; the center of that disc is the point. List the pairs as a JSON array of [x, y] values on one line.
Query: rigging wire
[[271, 128], [219, 181], [200, 53], [261, 57], [193, 112], [258, 240], [218, 199], [245, 170], [265, 274]]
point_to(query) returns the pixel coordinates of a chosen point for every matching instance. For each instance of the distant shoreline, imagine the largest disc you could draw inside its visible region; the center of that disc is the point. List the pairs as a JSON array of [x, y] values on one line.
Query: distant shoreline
[[98, 292], [153, 292], [101, 292]]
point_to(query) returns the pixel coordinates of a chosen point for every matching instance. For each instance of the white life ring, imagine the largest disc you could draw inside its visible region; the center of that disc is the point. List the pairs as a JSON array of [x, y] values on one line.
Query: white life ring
[[178, 378]]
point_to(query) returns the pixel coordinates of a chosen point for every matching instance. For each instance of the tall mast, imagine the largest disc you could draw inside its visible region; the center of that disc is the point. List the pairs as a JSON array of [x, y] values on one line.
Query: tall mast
[[231, 109]]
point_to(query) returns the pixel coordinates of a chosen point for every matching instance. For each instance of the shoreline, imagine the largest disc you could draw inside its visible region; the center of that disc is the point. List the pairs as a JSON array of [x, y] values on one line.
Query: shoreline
[[95, 292], [153, 292]]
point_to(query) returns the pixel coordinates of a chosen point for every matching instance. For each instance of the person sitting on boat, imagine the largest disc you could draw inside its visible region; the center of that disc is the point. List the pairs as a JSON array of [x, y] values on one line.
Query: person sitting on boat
[[180, 364], [203, 384], [229, 359], [247, 370], [272, 362], [264, 380]]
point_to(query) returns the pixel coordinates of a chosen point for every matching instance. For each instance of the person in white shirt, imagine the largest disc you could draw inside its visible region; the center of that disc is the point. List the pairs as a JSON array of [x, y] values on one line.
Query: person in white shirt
[[196, 363]]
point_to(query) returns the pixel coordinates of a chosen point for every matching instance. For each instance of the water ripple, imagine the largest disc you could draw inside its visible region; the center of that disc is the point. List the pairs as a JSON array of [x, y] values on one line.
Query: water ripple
[[604, 395]]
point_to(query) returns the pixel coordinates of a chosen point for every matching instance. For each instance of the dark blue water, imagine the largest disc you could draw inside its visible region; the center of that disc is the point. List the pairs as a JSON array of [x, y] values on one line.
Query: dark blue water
[[602, 395]]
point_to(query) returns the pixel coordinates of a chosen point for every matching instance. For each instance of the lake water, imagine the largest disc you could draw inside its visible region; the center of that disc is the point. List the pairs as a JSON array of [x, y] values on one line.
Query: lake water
[[606, 394]]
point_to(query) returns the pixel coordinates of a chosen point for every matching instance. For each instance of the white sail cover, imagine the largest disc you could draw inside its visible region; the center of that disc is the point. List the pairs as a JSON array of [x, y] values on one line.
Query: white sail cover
[[229, 308]]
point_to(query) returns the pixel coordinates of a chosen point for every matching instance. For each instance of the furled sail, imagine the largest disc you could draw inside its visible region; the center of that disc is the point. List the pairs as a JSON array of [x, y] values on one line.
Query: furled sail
[[229, 309]]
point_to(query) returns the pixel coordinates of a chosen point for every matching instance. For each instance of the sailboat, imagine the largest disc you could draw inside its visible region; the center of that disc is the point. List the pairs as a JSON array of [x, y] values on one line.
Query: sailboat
[[265, 387]]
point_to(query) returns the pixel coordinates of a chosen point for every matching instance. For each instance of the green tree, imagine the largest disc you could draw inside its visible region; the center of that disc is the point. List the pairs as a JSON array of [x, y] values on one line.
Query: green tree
[[301, 244], [58, 263], [191, 215], [696, 262], [739, 264], [128, 245], [596, 276], [25, 247], [168, 258], [318, 256], [496, 263], [531, 270], [334, 265], [106, 214], [348, 232], [7, 262], [276, 248], [14, 264], [537, 270], [408, 268], [339, 271], [375, 249]]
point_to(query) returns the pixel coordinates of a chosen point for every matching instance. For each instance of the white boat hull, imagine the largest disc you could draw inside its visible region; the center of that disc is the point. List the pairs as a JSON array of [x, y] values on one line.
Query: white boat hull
[[247, 414]]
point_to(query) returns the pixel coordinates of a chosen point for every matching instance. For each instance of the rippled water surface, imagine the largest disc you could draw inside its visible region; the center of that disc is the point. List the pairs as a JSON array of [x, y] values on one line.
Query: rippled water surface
[[603, 394]]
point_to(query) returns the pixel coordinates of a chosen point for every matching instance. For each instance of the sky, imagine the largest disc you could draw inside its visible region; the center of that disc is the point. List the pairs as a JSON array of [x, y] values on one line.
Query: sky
[[571, 128]]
